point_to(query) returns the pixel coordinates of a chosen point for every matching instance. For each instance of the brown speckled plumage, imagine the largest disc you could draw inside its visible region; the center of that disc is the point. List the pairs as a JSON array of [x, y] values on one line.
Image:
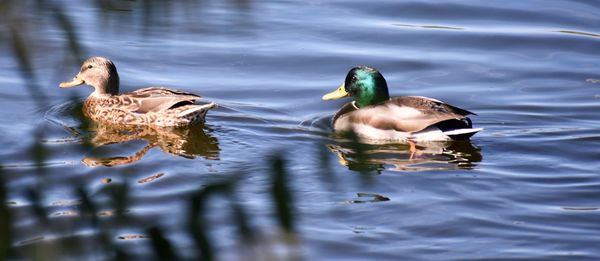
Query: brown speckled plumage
[[157, 106]]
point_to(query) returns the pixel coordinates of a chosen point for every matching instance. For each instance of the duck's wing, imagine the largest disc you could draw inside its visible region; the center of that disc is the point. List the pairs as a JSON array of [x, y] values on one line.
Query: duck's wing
[[157, 99], [430, 105], [406, 114], [163, 91]]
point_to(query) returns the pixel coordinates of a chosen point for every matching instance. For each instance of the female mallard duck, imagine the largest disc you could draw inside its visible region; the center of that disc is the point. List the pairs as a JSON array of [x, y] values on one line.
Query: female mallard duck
[[375, 116], [157, 106]]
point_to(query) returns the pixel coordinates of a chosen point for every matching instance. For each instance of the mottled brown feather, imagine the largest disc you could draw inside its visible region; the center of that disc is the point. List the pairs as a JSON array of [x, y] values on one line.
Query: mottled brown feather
[[150, 106], [158, 106], [157, 99]]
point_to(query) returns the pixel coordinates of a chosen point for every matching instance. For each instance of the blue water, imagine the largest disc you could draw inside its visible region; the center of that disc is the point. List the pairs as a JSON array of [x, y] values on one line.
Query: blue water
[[525, 188]]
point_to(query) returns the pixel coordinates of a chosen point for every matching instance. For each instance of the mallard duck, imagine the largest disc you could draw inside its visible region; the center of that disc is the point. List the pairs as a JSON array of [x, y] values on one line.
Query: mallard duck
[[157, 106], [373, 115]]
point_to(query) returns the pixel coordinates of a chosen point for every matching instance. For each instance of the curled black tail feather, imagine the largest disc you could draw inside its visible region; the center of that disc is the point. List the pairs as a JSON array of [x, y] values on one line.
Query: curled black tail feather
[[448, 125]]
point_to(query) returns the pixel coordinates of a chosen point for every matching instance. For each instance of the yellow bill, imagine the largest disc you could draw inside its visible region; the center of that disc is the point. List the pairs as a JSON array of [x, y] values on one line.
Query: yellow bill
[[339, 93], [75, 82]]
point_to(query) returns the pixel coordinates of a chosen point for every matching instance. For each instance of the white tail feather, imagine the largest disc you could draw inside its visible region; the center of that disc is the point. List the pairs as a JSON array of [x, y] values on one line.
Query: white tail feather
[[195, 109], [433, 133], [462, 131], [461, 134]]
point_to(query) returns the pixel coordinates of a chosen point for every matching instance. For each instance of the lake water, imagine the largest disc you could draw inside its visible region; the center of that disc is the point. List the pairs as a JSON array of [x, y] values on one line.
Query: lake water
[[525, 188]]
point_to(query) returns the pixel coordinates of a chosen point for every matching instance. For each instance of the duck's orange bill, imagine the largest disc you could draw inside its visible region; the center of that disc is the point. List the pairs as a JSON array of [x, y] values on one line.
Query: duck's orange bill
[[75, 82], [339, 93]]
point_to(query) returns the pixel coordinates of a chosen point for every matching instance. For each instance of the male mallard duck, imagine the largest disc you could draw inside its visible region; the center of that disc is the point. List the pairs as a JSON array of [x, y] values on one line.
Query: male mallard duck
[[375, 116], [157, 106]]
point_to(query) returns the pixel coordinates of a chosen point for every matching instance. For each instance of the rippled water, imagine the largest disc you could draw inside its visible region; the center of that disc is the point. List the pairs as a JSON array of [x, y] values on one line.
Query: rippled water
[[526, 187]]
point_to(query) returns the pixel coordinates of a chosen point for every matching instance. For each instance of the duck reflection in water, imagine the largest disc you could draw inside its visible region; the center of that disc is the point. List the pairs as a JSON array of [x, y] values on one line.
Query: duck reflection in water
[[424, 156], [188, 142]]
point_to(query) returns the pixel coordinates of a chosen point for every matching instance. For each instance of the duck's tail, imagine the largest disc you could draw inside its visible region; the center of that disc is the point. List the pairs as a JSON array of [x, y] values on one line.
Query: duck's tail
[[196, 113], [462, 134], [458, 129]]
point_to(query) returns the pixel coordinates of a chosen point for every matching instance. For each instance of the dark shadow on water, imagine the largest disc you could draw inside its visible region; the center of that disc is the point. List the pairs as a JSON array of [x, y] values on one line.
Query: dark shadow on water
[[449, 155], [187, 142]]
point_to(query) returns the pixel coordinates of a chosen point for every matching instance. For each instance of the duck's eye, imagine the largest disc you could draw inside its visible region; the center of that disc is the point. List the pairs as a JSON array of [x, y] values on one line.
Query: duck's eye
[[90, 66]]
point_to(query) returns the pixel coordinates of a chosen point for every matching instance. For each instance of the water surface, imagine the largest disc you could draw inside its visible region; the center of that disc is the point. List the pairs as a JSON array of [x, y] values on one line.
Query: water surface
[[524, 188]]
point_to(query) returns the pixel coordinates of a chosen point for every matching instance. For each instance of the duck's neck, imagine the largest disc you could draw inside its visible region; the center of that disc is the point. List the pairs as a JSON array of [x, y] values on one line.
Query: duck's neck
[[107, 85], [371, 93], [112, 87], [98, 95]]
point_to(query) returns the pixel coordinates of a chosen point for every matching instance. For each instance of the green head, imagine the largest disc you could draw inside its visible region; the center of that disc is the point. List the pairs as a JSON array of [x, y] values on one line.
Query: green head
[[365, 84]]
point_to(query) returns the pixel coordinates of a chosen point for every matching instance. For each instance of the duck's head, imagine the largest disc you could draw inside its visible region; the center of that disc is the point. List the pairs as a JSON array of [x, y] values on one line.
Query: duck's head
[[365, 84], [99, 73]]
